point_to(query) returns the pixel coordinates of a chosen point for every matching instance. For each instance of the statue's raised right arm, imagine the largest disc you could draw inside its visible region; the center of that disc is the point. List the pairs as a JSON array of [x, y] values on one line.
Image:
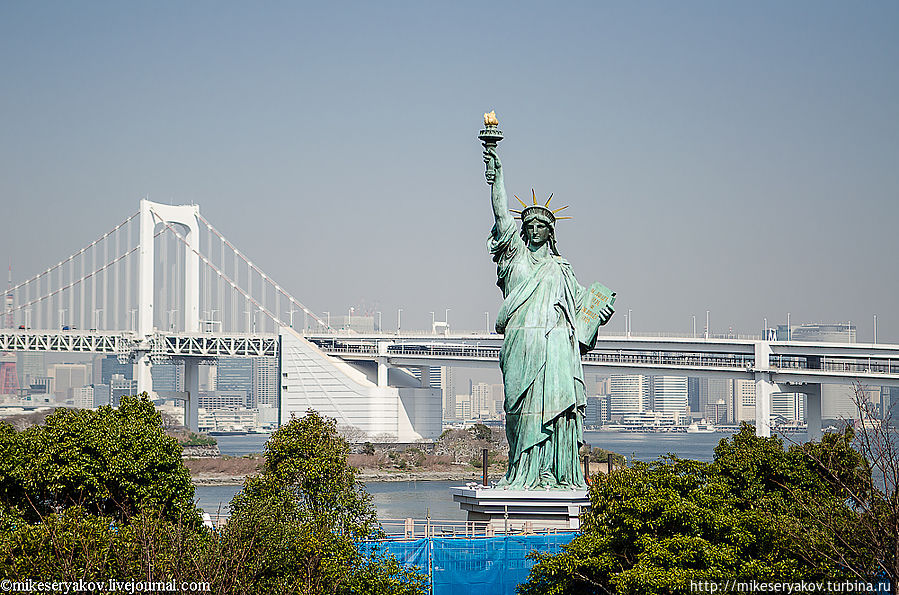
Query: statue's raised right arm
[[501, 213]]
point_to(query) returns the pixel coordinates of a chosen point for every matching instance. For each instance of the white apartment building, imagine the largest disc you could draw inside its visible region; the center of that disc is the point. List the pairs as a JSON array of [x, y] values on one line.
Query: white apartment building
[[669, 394], [629, 394]]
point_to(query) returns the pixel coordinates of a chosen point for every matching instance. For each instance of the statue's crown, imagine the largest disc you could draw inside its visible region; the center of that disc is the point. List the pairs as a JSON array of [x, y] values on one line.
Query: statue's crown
[[542, 211]]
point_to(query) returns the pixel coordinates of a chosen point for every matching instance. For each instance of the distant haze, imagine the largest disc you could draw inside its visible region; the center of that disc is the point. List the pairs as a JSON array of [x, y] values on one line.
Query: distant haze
[[741, 158]]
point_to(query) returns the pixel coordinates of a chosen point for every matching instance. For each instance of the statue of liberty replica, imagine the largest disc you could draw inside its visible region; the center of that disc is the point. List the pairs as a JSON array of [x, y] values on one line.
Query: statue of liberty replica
[[547, 321]]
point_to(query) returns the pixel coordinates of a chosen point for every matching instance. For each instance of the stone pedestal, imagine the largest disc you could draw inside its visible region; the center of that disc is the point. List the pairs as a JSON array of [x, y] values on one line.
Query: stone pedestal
[[522, 509]]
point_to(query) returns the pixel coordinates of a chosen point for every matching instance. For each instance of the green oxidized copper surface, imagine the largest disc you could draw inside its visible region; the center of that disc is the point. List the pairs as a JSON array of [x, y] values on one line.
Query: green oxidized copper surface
[[545, 396]]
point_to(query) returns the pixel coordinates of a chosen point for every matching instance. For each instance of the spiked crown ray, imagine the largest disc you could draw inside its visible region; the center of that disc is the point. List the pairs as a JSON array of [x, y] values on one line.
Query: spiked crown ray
[[538, 210]]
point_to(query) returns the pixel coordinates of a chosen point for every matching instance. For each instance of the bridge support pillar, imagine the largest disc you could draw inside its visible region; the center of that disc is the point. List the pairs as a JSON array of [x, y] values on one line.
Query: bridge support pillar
[[142, 373], [192, 388], [382, 363], [813, 411], [425, 376], [764, 388]]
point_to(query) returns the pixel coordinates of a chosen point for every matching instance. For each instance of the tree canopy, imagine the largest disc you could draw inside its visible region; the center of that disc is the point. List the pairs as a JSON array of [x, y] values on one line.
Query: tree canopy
[[655, 527], [112, 461], [302, 516]]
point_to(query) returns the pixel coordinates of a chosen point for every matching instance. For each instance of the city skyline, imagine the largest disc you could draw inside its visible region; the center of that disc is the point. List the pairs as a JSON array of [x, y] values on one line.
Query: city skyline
[[737, 159]]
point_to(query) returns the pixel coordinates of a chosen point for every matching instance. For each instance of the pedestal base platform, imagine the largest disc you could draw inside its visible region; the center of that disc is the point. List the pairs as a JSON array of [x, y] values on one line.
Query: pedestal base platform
[[538, 509]]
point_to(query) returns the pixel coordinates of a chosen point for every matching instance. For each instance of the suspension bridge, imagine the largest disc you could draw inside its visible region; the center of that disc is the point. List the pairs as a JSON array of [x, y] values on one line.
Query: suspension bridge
[[165, 285]]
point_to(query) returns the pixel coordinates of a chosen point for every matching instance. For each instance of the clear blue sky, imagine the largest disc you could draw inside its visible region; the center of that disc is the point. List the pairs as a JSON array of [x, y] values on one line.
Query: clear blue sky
[[736, 157]]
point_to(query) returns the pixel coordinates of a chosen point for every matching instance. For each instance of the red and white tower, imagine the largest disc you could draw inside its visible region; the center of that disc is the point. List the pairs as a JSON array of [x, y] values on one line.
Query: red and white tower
[[9, 377]]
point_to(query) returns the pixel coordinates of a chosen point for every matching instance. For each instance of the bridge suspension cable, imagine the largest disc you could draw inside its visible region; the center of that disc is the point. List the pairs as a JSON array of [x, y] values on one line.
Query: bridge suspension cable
[[83, 278], [76, 254], [234, 285], [261, 273]]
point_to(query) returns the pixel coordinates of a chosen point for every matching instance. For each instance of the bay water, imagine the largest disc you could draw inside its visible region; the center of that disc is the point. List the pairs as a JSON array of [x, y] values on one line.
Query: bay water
[[416, 499]]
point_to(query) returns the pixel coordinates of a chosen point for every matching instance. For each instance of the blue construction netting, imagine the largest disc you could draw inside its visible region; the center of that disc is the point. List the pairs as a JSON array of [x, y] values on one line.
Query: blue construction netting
[[463, 566]]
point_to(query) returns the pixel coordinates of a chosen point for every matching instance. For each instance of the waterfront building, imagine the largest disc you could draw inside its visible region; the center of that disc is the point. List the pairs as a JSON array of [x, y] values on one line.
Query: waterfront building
[[597, 410], [789, 406], [238, 419], [267, 416], [716, 413], [222, 400], [669, 394], [629, 393]]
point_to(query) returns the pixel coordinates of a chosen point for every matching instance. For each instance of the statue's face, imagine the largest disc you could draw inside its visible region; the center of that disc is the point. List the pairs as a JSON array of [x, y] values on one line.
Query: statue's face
[[537, 232]]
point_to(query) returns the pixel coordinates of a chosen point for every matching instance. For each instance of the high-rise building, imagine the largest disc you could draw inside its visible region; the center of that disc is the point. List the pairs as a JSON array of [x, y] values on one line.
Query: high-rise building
[[83, 397], [66, 376], [463, 407], [693, 394], [448, 387], [629, 394], [265, 382], [235, 374], [837, 400], [167, 378], [110, 365], [119, 386], [597, 410], [481, 400], [101, 395], [31, 365], [717, 391], [669, 394], [744, 400], [789, 406]]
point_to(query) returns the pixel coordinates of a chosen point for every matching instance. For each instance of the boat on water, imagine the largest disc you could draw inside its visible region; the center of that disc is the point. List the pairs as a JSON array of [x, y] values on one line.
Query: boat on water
[[700, 427]]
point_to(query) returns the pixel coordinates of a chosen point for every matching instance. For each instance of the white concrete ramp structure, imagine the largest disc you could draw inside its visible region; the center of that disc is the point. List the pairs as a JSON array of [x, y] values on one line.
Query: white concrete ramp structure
[[310, 379]]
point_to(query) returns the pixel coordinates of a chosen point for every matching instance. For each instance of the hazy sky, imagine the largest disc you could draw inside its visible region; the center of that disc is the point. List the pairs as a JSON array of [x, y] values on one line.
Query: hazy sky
[[736, 157]]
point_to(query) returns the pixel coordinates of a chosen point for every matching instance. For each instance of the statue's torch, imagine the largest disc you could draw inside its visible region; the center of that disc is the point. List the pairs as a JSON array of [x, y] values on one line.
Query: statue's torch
[[490, 136]]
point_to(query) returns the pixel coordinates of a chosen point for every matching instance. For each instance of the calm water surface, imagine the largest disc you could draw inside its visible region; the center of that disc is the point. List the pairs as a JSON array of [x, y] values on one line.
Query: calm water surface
[[401, 499]]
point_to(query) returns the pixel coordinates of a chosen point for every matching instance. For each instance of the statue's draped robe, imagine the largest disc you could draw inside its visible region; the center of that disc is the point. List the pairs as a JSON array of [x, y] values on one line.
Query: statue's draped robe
[[545, 398]]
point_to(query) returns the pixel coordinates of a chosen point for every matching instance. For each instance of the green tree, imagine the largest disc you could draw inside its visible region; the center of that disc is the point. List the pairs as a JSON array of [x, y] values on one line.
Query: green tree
[[655, 527], [302, 516], [113, 461]]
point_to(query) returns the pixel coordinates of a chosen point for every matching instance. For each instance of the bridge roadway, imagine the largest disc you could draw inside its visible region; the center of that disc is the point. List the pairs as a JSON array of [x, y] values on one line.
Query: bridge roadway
[[788, 362], [775, 367], [159, 344], [778, 366]]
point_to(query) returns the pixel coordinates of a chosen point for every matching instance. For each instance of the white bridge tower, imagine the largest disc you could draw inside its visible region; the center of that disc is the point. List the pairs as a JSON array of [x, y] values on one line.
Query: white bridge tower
[[152, 214]]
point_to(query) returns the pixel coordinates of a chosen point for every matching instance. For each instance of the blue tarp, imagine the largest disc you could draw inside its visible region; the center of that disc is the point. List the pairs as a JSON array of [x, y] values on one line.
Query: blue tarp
[[463, 566]]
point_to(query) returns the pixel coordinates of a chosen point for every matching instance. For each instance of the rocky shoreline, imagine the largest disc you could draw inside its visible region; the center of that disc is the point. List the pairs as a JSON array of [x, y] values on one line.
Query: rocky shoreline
[[364, 475]]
